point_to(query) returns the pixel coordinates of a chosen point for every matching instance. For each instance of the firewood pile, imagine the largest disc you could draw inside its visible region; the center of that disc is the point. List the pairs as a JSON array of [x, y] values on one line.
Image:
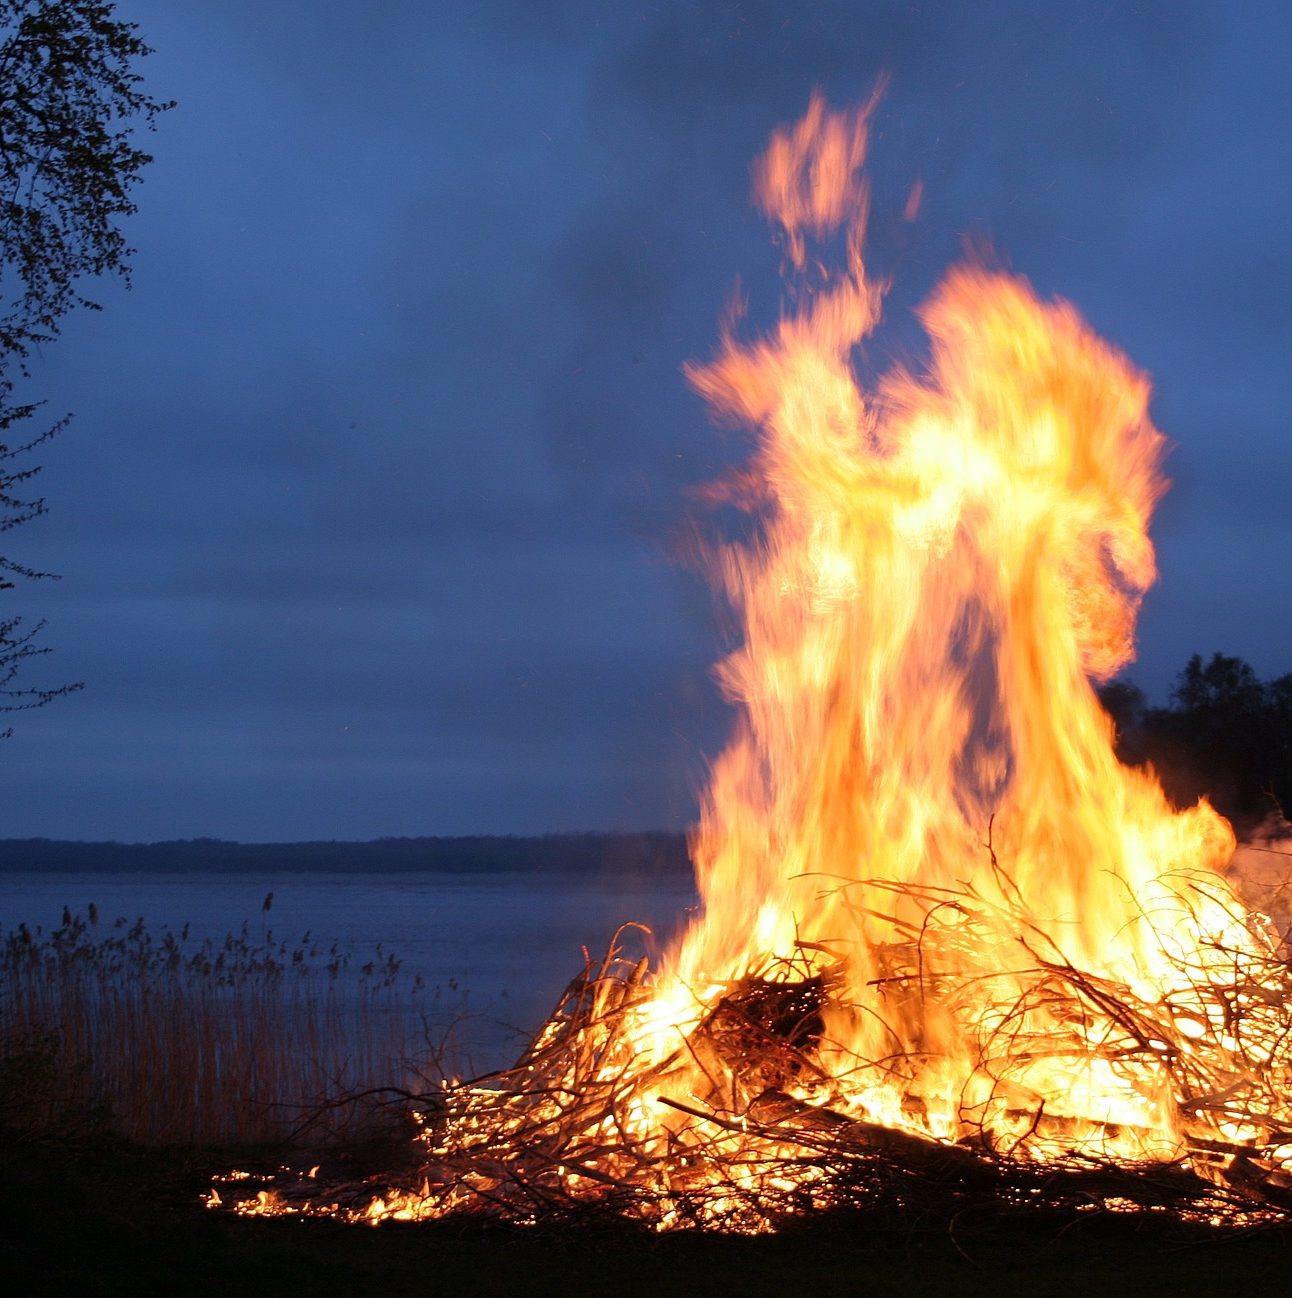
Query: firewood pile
[[581, 1127]]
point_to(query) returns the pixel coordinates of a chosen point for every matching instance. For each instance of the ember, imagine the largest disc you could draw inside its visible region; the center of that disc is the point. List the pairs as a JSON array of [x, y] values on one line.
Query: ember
[[950, 948]]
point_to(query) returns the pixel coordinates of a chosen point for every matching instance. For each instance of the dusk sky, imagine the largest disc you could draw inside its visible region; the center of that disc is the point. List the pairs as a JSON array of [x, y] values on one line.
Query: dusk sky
[[366, 517]]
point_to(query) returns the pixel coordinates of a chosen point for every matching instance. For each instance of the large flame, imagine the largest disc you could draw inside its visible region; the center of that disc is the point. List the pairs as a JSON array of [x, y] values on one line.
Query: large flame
[[933, 900], [941, 566]]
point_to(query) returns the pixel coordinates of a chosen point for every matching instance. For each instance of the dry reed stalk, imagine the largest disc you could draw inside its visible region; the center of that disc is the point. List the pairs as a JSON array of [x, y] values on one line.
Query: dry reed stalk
[[179, 1042]]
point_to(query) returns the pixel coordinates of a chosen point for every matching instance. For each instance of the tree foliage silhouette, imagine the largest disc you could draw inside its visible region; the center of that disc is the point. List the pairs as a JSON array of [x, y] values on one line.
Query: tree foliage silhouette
[[71, 103], [1226, 735]]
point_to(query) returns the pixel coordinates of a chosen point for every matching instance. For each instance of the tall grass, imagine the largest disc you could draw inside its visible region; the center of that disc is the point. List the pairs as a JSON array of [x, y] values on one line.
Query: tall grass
[[167, 1040]]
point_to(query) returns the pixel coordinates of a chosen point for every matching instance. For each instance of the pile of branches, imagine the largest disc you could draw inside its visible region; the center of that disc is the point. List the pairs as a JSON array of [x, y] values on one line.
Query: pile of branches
[[558, 1136]]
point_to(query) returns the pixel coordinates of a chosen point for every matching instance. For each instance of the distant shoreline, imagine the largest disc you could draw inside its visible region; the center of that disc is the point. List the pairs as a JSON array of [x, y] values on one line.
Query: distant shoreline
[[591, 853]]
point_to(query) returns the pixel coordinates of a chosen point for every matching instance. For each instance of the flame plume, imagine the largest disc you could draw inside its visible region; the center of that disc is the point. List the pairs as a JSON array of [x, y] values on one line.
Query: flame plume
[[941, 568], [940, 920]]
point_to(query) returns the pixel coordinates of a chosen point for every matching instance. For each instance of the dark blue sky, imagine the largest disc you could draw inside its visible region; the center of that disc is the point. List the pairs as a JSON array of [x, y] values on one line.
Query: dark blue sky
[[365, 515]]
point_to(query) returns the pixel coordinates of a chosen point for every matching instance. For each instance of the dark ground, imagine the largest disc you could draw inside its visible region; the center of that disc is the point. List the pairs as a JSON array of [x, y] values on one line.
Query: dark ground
[[98, 1219]]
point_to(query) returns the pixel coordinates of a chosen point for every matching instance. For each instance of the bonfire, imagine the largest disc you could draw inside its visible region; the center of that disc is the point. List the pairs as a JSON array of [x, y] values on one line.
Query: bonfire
[[949, 948]]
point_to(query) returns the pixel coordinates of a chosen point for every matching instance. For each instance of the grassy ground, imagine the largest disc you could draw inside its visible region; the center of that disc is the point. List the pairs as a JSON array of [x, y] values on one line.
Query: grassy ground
[[87, 1209], [100, 1219]]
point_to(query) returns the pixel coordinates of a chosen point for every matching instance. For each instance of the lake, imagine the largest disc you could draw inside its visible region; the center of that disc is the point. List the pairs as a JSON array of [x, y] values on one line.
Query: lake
[[494, 951]]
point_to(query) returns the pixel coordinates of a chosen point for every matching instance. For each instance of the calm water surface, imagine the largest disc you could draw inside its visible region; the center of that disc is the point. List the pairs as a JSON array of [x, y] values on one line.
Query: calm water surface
[[494, 951]]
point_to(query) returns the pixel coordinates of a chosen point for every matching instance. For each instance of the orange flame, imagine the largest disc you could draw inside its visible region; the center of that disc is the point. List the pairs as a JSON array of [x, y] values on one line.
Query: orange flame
[[941, 567], [918, 848]]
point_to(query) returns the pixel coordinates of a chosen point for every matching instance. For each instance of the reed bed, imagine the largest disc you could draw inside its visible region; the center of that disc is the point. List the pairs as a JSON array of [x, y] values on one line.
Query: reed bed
[[164, 1039]]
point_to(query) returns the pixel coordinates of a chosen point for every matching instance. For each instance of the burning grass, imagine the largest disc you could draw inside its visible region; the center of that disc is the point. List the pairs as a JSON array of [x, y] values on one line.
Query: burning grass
[[165, 1040]]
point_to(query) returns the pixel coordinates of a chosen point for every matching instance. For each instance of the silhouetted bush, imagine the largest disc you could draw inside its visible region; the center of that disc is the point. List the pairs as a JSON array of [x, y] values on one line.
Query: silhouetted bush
[[1225, 735]]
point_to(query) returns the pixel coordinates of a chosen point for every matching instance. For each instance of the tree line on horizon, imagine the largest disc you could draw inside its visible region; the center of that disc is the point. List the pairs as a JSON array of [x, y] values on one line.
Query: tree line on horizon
[[1224, 734], [611, 855]]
